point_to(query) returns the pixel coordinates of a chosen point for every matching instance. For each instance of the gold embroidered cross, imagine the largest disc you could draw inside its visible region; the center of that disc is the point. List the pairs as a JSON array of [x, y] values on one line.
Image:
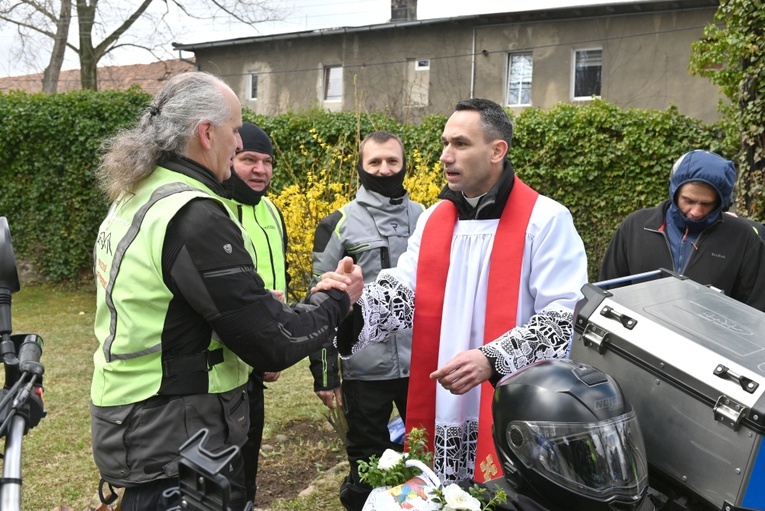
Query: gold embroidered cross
[[488, 468]]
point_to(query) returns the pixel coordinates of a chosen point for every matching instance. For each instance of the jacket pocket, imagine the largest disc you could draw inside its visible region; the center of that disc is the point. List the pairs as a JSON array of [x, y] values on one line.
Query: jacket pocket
[[108, 426], [154, 436], [236, 412], [140, 442]]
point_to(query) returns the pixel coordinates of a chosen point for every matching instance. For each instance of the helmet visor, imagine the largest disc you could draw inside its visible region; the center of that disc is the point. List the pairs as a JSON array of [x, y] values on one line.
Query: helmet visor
[[603, 461]]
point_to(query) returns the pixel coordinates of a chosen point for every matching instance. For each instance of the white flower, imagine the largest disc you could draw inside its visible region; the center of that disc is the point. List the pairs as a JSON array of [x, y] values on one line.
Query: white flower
[[389, 459], [459, 500]]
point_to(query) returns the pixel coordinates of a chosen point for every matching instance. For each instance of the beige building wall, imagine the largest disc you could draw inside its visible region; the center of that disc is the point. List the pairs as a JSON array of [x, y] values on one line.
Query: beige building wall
[[645, 60], [415, 68], [380, 71]]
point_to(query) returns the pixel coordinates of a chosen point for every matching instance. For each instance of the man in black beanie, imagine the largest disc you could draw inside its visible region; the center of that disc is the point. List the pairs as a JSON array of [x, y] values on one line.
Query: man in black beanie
[[250, 177], [374, 230]]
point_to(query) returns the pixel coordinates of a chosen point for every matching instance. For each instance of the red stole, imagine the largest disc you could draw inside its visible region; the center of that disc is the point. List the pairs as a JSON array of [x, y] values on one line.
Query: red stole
[[502, 306]]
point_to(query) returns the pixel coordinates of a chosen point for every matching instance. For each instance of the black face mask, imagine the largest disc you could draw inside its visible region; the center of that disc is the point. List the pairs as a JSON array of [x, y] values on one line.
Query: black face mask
[[388, 186], [240, 191]]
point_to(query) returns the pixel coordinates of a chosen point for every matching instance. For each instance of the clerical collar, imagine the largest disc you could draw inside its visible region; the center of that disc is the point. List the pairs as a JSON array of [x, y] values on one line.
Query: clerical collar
[[473, 201]]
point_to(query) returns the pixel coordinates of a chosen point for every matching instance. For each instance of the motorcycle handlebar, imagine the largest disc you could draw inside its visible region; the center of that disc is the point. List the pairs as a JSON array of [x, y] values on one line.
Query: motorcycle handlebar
[[21, 406], [29, 355]]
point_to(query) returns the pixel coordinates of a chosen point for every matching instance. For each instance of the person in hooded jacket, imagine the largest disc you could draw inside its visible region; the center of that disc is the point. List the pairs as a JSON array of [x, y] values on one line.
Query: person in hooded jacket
[[373, 229], [250, 177], [689, 234]]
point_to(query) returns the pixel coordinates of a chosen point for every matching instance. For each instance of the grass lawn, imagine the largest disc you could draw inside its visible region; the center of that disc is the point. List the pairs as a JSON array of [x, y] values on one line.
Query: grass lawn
[[57, 466]]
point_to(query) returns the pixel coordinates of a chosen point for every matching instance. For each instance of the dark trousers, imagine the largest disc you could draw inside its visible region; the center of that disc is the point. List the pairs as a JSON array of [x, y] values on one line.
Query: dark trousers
[[148, 496], [368, 406], [251, 449]]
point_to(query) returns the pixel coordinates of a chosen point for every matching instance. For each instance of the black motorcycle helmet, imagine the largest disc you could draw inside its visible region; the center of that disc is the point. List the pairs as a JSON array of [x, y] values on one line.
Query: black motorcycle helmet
[[564, 431]]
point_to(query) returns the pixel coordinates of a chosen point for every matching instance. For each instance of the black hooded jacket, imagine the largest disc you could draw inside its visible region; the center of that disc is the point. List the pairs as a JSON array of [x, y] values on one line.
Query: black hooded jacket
[[727, 255]]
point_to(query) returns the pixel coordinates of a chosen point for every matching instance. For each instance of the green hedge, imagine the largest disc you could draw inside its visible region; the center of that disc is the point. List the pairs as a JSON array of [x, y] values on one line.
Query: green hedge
[[603, 162], [48, 151], [600, 161]]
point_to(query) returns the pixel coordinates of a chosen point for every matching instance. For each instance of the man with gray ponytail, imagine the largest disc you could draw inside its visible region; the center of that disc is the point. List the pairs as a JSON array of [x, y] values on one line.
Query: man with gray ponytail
[[181, 313]]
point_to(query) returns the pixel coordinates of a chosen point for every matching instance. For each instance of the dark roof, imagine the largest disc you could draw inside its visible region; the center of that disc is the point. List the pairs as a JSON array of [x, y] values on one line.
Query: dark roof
[[568, 12], [151, 77]]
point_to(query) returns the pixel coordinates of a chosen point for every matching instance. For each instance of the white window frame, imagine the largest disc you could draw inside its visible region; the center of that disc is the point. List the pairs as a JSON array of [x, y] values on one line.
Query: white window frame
[[255, 76], [328, 81], [521, 79], [417, 82], [574, 62]]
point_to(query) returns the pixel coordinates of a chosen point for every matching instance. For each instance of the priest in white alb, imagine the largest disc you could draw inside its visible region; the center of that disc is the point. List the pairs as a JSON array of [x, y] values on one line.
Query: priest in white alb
[[489, 282]]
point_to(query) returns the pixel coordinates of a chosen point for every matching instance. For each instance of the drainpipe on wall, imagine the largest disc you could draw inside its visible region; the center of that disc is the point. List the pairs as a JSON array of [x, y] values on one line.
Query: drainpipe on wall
[[187, 61], [472, 67]]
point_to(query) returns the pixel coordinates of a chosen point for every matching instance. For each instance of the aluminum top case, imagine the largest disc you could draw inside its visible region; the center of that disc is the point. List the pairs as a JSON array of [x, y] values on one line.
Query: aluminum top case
[[692, 363]]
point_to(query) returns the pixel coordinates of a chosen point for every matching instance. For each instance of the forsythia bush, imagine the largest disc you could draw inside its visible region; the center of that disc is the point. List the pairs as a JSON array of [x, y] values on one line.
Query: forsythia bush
[[424, 181], [326, 186]]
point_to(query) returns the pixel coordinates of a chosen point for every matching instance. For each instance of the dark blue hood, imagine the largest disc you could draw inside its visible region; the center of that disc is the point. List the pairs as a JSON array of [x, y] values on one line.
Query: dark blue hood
[[704, 167]]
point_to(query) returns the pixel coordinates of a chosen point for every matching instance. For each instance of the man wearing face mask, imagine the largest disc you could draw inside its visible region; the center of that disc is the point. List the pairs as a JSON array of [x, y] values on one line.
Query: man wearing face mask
[[689, 233], [251, 174], [373, 229]]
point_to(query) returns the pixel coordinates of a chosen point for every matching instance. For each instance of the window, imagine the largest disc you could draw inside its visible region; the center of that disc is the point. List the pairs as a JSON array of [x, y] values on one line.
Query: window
[[417, 82], [333, 83], [519, 67], [422, 65], [253, 85], [587, 73]]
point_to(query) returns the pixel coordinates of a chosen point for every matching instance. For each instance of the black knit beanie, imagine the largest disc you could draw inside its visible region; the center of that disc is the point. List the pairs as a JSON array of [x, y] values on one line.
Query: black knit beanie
[[255, 139]]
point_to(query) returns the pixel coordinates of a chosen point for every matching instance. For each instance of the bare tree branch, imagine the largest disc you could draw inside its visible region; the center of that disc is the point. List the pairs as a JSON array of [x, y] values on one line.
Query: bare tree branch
[[42, 10], [29, 26], [102, 26], [114, 36]]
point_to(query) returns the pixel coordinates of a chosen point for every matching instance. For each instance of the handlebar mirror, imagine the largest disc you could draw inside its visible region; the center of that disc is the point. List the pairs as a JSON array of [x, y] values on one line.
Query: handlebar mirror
[[9, 276]]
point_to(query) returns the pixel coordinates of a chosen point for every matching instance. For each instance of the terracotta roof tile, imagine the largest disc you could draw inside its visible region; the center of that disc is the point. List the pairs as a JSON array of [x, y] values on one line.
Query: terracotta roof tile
[[151, 77]]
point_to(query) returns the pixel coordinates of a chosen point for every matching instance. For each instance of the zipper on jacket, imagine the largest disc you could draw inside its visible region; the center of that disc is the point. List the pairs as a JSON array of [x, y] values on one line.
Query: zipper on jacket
[[384, 258]]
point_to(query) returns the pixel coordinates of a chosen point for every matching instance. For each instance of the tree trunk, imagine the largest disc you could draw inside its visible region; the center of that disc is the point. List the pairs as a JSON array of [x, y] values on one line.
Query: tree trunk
[[53, 70], [90, 55], [88, 62], [88, 71]]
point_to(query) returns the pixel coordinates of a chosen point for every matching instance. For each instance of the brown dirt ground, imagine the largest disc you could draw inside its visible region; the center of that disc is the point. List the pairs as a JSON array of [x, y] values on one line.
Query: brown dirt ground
[[309, 450]]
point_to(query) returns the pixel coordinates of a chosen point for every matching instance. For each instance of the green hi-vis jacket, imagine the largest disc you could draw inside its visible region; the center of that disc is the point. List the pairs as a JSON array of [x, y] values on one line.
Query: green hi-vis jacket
[[264, 225], [133, 299]]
